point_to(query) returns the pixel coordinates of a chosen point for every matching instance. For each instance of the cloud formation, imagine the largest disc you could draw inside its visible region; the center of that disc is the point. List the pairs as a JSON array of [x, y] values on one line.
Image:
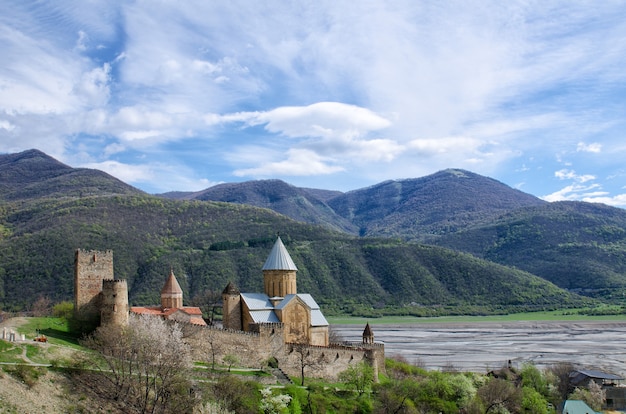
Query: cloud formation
[[192, 93]]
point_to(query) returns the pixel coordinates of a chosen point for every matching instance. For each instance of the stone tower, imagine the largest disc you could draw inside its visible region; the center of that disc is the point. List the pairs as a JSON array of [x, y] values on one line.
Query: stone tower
[[279, 272], [171, 294], [368, 334], [90, 269], [114, 307], [231, 307]]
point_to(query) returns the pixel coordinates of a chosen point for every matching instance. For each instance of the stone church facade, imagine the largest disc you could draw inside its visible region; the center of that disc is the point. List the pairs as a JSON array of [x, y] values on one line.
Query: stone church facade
[[300, 315]]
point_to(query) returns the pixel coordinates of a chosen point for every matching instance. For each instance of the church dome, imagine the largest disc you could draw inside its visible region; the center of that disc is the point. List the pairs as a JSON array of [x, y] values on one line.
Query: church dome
[[279, 258]]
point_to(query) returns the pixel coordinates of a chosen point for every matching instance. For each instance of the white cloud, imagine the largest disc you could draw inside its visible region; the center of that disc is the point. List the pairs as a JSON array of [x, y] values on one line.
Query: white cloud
[[571, 175], [93, 86], [298, 162], [323, 119], [445, 145], [6, 125], [485, 85], [618, 200], [125, 172], [570, 192], [160, 177], [594, 147]]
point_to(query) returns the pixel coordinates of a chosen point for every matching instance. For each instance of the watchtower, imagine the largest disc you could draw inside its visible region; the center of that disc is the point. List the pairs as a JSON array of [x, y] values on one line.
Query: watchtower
[[114, 308], [231, 307], [91, 267]]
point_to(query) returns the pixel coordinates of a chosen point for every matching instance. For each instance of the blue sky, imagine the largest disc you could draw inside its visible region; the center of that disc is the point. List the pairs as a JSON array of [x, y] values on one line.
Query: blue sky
[[182, 95]]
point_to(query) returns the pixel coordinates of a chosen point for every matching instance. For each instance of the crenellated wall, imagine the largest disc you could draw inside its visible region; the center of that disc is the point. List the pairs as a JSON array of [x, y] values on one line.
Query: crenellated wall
[[255, 348]]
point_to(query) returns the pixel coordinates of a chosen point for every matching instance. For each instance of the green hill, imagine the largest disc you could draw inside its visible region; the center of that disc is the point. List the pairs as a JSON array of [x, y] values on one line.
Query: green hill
[[578, 246], [208, 244]]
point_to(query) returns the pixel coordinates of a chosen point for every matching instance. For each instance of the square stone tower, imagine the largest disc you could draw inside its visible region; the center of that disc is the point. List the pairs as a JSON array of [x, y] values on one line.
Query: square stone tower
[[91, 267]]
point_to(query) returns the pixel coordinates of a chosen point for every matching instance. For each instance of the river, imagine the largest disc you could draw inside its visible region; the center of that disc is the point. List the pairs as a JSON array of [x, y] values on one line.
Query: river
[[481, 347]]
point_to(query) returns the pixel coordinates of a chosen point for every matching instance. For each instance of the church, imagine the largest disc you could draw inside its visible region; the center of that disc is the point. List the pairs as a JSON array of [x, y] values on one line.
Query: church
[[171, 307], [301, 317]]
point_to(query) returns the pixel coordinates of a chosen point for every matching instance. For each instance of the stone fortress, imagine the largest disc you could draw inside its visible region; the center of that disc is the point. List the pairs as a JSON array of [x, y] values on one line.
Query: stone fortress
[[279, 325]]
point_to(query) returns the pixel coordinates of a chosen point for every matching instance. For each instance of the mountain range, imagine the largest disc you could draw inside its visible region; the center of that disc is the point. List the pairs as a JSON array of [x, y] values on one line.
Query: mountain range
[[451, 242]]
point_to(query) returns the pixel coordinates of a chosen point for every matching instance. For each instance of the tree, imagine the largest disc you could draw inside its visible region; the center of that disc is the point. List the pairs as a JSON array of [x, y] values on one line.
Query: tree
[[594, 395], [273, 404], [208, 302], [532, 377], [533, 402], [359, 377], [498, 393], [41, 307], [230, 360], [558, 375], [306, 359], [63, 310], [235, 395], [145, 364], [215, 346]]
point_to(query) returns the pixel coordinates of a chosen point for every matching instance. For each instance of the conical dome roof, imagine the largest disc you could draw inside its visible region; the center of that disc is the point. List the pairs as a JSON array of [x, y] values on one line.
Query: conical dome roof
[[279, 258], [230, 289], [171, 286], [367, 332]]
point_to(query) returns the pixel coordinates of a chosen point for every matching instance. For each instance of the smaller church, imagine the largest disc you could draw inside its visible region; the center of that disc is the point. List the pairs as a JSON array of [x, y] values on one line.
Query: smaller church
[[172, 305], [280, 302]]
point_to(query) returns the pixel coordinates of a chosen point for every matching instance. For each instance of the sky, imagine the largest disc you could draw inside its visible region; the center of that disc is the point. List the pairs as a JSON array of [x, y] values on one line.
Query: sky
[[182, 95]]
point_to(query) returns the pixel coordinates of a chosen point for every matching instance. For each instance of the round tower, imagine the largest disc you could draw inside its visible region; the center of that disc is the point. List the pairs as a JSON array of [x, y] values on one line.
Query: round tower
[[279, 272], [114, 307], [171, 294]]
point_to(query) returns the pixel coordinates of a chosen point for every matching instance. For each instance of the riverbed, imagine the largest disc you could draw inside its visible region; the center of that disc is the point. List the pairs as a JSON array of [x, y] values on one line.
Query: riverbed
[[484, 346]]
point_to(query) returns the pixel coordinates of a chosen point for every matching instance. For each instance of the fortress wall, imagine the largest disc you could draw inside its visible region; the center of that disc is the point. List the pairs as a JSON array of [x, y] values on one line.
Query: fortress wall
[[328, 362], [251, 348], [255, 349]]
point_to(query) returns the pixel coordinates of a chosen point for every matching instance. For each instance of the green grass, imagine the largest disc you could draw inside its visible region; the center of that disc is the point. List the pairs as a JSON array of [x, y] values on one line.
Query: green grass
[[10, 352], [57, 330], [561, 315]]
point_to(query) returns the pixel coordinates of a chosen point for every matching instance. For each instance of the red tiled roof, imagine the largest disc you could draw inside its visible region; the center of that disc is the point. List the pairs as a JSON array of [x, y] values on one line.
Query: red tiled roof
[[147, 310], [193, 312], [171, 286], [197, 321]]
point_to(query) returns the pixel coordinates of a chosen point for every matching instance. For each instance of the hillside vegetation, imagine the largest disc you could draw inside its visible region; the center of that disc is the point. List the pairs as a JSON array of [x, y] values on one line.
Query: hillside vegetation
[[578, 246], [208, 244]]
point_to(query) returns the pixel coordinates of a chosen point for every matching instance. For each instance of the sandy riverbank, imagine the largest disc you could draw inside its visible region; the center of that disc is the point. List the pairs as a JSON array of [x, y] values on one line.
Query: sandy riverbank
[[483, 346]]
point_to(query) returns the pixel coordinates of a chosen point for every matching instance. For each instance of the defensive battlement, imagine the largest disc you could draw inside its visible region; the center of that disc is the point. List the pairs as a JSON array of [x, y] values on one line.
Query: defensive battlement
[[114, 281], [269, 324], [105, 252], [347, 346]]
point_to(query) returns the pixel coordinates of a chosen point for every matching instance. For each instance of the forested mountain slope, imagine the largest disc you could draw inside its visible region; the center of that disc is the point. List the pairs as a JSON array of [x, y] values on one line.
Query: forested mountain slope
[[302, 204], [35, 175], [578, 246], [208, 244], [441, 203], [413, 209]]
